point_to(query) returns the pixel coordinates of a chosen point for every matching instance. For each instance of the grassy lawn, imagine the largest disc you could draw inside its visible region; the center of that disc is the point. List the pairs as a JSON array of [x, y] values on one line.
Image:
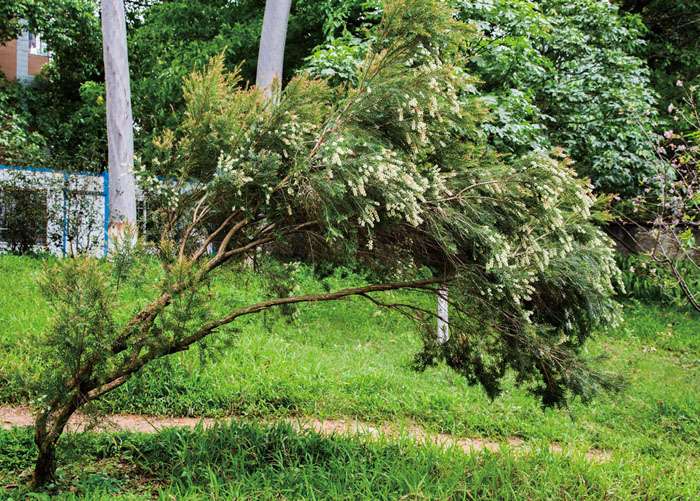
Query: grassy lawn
[[349, 359]]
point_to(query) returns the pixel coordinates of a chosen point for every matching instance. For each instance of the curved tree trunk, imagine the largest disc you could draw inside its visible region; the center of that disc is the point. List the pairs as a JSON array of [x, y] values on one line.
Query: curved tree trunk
[[45, 468], [48, 428]]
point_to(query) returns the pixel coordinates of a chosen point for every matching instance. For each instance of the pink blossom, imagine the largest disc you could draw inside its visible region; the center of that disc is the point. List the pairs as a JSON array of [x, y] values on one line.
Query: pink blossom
[[676, 118], [679, 83], [671, 108], [668, 134]]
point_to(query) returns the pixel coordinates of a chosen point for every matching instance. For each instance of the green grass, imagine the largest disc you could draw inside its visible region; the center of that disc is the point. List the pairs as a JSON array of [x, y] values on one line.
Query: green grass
[[272, 462], [349, 359]]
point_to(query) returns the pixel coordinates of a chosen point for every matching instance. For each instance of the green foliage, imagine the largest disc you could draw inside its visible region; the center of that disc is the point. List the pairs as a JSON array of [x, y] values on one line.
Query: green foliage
[[392, 172], [391, 169], [24, 217], [19, 145], [63, 106], [670, 203], [127, 250], [639, 280], [673, 43], [82, 306], [10, 26], [246, 461], [350, 359], [562, 73], [651, 282], [175, 38], [554, 73], [338, 60], [661, 326]]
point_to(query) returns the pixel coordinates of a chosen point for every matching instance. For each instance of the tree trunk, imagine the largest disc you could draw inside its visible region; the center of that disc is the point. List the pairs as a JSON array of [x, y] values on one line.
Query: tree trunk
[[443, 325], [120, 140], [272, 39], [48, 427], [45, 467]]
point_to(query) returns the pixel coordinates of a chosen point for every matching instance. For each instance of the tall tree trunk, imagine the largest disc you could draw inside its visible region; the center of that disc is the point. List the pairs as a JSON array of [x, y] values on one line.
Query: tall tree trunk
[[271, 53], [272, 39], [120, 140]]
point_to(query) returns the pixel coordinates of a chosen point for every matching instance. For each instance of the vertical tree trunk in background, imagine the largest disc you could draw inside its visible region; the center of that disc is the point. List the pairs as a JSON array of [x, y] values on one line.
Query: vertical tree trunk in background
[[443, 326], [120, 140], [271, 52], [272, 39]]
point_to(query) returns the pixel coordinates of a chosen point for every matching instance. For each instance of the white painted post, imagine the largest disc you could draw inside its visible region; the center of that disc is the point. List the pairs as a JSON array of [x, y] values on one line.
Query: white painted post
[[443, 326], [120, 138], [22, 55]]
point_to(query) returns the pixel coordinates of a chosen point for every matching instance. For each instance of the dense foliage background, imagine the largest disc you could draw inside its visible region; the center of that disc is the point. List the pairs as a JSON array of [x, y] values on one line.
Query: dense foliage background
[[585, 75]]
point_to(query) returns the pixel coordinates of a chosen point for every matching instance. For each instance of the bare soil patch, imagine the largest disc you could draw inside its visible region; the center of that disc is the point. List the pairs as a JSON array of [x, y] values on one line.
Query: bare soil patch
[[21, 416]]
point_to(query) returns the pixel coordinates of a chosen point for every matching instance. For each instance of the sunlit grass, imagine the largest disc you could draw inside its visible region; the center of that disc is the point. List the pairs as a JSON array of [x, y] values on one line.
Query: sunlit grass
[[349, 359]]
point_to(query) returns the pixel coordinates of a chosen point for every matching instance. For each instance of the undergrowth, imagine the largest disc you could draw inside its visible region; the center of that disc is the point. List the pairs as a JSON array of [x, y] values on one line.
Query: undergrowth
[[271, 462], [352, 360]]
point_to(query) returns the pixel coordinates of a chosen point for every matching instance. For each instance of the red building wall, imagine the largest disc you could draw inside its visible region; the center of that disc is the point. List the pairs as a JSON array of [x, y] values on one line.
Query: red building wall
[[36, 63], [8, 60]]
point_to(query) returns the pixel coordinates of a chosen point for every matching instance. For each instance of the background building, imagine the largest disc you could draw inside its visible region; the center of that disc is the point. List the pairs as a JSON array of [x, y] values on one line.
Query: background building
[[23, 58]]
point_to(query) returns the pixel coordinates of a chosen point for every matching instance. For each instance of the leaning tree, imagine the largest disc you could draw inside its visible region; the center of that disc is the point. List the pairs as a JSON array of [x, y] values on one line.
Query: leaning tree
[[390, 173]]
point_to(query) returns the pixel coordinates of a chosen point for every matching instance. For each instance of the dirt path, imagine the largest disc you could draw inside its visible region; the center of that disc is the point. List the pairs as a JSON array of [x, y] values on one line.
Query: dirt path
[[21, 416]]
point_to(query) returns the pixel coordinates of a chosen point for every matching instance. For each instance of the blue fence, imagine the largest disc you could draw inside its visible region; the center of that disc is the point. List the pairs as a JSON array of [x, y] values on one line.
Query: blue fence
[[102, 178]]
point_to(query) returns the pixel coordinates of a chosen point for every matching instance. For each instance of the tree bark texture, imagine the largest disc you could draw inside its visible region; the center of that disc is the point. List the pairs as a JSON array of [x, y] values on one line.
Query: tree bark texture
[[272, 40], [443, 325], [120, 140], [45, 467], [48, 428]]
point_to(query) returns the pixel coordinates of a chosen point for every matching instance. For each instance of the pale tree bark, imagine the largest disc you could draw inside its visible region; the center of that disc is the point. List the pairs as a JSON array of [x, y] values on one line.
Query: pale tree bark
[[120, 139], [272, 40], [443, 325], [271, 52]]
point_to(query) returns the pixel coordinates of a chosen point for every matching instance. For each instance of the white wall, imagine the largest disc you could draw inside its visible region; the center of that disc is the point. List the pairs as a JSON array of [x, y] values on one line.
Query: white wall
[[76, 222]]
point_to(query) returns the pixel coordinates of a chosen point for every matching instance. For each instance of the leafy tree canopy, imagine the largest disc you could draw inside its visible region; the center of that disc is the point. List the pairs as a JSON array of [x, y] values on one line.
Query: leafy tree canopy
[[555, 73], [673, 48], [65, 104], [392, 173], [565, 73]]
